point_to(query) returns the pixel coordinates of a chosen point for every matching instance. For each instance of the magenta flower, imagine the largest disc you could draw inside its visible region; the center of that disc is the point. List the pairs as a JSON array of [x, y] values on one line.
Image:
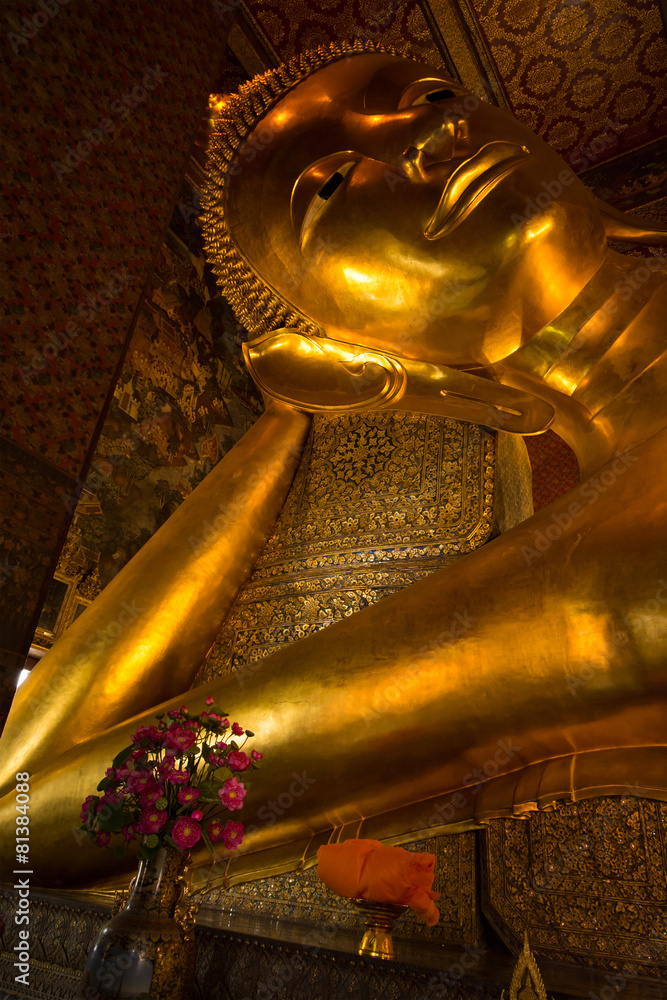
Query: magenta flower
[[176, 777], [103, 838], [179, 739], [137, 781], [215, 830], [151, 793], [209, 700], [233, 793], [110, 773], [237, 730], [256, 755], [86, 807], [186, 833], [128, 833], [233, 835], [188, 794], [197, 814], [108, 799], [238, 760], [152, 820], [220, 746], [151, 733]]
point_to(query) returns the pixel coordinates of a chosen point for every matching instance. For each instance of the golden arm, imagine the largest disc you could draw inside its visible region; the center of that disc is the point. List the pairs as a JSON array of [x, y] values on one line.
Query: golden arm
[[143, 639], [548, 645]]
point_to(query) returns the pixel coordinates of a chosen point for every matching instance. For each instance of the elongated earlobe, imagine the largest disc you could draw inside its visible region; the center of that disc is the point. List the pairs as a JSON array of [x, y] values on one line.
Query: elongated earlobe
[[327, 376], [630, 228]]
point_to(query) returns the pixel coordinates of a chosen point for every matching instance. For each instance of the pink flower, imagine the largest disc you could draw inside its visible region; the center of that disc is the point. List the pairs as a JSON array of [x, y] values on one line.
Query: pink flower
[[137, 781], [238, 760], [197, 814], [179, 739], [151, 793], [213, 715], [209, 700], [215, 830], [186, 833], [86, 807], [176, 777], [103, 838], [256, 755], [110, 773], [236, 729], [152, 820], [128, 832], [233, 793], [188, 794], [108, 799], [233, 834], [151, 733], [220, 746], [138, 754]]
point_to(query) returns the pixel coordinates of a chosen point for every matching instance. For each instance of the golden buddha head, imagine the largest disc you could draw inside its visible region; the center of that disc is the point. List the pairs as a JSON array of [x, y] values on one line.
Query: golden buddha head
[[358, 195]]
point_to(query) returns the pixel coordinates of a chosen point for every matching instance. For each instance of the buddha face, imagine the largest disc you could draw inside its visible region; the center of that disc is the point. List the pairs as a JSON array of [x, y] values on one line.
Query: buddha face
[[401, 213]]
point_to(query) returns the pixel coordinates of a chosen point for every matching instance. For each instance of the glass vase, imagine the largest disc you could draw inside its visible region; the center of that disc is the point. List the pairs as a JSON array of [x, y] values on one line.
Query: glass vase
[[147, 950]]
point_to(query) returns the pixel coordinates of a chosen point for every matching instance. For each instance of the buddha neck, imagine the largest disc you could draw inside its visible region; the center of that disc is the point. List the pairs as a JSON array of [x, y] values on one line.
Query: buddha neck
[[596, 362]]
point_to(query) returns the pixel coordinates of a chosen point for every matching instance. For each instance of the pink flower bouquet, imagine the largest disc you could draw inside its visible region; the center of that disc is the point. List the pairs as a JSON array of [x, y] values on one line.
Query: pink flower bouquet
[[367, 869], [166, 785]]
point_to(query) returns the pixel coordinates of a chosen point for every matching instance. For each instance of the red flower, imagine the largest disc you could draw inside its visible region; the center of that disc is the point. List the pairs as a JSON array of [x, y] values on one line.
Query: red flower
[[186, 833], [86, 807], [256, 755], [179, 739], [103, 838], [236, 729], [233, 793], [220, 746], [151, 793], [152, 820], [176, 777], [128, 832], [238, 760], [233, 835], [209, 700], [151, 733], [188, 794], [215, 830], [197, 814]]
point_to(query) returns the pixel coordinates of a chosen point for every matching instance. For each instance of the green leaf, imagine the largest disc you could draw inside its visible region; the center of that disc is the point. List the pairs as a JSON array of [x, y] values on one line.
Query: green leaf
[[249, 733], [147, 853], [207, 841], [210, 789], [120, 851], [121, 757], [160, 715], [104, 784]]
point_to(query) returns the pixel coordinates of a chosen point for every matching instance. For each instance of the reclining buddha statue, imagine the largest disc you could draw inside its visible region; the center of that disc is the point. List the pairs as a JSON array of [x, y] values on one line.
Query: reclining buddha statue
[[406, 258]]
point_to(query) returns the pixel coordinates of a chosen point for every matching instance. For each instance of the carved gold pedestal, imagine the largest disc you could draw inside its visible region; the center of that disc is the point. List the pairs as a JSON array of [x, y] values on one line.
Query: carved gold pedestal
[[380, 919]]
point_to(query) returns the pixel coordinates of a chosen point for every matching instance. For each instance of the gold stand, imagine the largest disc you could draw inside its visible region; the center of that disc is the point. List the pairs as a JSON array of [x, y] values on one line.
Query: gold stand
[[380, 919]]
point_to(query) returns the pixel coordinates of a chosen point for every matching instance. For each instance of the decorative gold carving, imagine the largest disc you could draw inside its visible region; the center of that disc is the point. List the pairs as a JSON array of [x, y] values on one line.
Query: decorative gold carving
[[588, 881], [380, 500], [526, 979]]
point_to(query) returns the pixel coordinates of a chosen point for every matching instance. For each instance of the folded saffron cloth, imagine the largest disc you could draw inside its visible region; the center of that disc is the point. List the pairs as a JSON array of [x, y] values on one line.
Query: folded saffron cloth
[[367, 869]]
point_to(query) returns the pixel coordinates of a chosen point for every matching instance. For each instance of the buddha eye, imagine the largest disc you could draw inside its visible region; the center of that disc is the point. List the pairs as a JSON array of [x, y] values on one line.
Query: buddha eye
[[323, 195], [434, 95]]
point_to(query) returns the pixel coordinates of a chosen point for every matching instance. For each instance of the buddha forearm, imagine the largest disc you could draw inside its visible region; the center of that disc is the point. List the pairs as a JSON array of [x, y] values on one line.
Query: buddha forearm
[[144, 638]]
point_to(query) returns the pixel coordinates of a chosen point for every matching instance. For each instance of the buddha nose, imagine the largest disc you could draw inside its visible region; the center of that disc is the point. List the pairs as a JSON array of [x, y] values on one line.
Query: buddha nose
[[438, 144]]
